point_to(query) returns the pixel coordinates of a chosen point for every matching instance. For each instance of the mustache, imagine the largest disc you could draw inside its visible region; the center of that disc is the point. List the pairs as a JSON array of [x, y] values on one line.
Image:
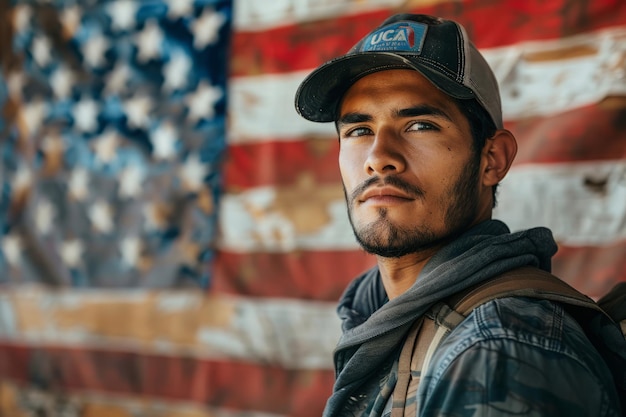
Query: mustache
[[393, 181]]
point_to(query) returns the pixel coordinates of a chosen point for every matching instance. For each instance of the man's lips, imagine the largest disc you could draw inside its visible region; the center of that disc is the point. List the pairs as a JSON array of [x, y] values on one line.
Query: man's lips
[[384, 194]]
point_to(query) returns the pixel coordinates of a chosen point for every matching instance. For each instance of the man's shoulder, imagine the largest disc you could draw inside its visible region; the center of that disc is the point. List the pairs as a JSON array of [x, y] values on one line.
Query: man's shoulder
[[513, 350], [541, 324], [522, 330]]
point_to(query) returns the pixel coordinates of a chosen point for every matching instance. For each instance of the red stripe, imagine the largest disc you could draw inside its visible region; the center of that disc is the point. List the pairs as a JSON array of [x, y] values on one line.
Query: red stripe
[[324, 275], [592, 270], [298, 47], [317, 275], [281, 163], [223, 384], [592, 133], [490, 24]]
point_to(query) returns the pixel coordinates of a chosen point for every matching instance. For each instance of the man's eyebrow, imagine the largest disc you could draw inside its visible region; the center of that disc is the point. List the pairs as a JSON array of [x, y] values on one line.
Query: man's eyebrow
[[422, 110], [350, 118]]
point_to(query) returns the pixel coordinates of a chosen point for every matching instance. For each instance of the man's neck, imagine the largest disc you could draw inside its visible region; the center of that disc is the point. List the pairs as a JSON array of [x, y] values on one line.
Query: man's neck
[[399, 274]]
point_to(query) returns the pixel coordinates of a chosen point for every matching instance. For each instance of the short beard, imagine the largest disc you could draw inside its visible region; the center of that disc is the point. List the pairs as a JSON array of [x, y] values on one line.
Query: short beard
[[384, 238], [398, 241]]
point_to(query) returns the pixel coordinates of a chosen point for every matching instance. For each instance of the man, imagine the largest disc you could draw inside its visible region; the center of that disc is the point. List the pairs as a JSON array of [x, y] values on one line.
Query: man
[[422, 150]]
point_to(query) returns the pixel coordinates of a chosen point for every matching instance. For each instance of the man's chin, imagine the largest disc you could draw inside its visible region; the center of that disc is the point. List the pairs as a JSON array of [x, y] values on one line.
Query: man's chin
[[394, 242], [387, 252], [386, 246]]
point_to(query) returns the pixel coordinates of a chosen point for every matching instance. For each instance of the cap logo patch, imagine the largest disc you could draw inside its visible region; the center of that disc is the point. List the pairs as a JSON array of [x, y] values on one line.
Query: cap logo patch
[[404, 36]]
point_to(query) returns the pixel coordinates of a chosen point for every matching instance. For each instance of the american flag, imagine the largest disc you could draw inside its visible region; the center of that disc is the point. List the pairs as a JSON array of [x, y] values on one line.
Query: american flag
[[175, 237]]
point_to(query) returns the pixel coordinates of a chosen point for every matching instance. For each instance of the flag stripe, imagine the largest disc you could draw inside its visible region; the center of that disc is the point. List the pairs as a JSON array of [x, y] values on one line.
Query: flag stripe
[[236, 385], [252, 15], [592, 268], [582, 202], [285, 48], [282, 220], [591, 133], [172, 323], [284, 162], [290, 274], [531, 77]]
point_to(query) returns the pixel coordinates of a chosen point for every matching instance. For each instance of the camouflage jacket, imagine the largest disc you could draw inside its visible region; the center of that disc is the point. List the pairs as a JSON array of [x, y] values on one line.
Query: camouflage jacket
[[513, 357]]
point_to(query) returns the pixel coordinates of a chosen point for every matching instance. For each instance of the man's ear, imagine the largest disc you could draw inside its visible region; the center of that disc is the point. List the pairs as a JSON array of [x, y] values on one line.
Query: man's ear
[[497, 156]]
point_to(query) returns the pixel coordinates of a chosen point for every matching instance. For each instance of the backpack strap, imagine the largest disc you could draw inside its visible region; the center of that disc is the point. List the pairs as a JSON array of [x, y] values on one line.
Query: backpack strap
[[522, 282], [405, 369], [442, 319]]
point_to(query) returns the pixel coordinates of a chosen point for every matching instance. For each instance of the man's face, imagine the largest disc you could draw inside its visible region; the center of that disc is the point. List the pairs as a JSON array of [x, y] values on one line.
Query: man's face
[[411, 178]]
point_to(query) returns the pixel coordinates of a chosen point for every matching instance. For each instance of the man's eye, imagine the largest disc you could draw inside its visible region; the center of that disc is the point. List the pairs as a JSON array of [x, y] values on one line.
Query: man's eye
[[359, 131], [422, 126]]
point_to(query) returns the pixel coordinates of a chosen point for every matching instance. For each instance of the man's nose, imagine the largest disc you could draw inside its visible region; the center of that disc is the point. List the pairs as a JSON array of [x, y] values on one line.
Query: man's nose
[[385, 154]]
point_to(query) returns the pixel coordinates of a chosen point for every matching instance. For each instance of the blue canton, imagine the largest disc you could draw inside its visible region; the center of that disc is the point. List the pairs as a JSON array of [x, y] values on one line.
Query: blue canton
[[112, 145]]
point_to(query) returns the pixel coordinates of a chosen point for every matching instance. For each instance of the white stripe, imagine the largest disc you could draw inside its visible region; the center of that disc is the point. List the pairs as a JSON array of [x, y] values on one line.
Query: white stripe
[[582, 203], [262, 107], [294, 334], [255, 15], [260, 220], [531, 87]]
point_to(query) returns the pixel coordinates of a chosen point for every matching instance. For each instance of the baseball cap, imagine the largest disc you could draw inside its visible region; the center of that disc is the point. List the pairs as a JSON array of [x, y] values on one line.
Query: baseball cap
[[437, 48]]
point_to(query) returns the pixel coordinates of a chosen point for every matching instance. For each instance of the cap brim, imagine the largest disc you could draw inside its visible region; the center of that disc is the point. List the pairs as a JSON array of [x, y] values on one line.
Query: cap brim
[[319, 95]]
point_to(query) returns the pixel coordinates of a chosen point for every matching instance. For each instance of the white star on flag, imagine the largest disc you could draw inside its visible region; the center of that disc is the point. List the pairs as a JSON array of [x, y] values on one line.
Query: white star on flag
[[130, 249], [15, 83], [78, 184], [12, 249], [61, 82], [176, 71], [22, 179], [41, 51], [94, 50], [116, 79], [44, 215], [192, 172], [179, 8], [131, 181], [202, 101], [205, 29], [106, 145], [86, 115], [123, 14], [149, 42], [72, 252], [101, 216], [164, 139], [138, 109], [32, 115]]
